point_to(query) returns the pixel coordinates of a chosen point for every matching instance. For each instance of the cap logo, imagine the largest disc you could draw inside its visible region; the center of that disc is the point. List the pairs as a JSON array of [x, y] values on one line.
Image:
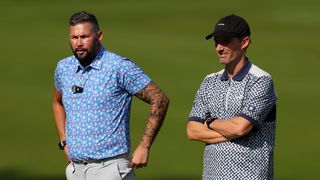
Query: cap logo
[[228, 27]]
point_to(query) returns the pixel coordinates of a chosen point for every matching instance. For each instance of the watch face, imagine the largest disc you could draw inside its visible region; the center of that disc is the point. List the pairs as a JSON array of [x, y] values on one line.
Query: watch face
[[62, 144]]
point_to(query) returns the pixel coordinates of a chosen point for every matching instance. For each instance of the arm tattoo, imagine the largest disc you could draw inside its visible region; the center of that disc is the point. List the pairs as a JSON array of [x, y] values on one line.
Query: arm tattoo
[[159, 102]]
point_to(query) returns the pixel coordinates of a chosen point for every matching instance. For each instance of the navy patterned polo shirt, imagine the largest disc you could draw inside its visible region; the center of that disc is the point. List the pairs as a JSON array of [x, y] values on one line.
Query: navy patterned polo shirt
[[249, 94]]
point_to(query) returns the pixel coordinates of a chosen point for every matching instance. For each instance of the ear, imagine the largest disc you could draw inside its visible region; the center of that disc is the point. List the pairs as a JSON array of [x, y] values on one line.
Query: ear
[[100, 35], [245, 42]]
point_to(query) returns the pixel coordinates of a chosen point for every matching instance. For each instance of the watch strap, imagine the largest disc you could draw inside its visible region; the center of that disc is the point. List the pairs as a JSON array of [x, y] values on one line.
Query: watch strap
[[62, 144]]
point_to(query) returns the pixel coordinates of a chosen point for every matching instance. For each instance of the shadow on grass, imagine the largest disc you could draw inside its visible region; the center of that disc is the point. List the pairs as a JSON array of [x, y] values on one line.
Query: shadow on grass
[[10, 174]]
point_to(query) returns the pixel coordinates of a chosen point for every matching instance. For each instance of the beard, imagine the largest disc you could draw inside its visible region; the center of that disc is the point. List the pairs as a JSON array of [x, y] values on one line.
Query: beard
[[84, 56]]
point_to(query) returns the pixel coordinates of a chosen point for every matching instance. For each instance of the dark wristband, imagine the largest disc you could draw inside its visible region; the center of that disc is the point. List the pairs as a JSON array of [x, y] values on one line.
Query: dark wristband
[[62, 144]]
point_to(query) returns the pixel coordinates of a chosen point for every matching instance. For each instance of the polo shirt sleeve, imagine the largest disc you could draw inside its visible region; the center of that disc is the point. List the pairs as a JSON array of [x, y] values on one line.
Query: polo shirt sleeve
[[132, 78], [57, 79], [260, 102], [198, 106]]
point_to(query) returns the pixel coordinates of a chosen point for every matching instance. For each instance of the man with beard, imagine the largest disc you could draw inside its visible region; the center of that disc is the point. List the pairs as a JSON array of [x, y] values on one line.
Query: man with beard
[[234, 110], [91, 106]]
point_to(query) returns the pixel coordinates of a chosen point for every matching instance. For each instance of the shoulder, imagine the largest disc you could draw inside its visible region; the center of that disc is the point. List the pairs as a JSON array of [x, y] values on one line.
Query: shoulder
[[210, 79], [213, 76], [260, 78], [66, 62], [109, 55], [258, 72], [117, 59]]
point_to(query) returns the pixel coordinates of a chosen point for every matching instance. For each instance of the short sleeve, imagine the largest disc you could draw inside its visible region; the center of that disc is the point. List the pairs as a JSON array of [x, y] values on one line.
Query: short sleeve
[[198, 107], [260, 101], [57, 79], [132, 78]]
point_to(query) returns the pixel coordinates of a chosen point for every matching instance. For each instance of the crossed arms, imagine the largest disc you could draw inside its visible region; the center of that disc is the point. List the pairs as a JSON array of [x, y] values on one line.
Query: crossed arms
[[221, 130]]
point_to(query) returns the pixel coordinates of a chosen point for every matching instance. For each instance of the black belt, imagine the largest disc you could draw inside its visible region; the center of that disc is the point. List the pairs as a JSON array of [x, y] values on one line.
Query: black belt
[[85, 162]]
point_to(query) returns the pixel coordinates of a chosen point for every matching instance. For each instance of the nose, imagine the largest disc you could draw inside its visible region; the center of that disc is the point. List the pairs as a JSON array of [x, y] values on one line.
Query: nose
[[219, 47], [79, 42]]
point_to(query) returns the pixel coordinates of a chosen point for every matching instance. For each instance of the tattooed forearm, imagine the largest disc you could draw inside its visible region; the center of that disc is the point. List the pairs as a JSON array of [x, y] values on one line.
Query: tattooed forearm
[[156, 115], [149, 134], [158, 107]]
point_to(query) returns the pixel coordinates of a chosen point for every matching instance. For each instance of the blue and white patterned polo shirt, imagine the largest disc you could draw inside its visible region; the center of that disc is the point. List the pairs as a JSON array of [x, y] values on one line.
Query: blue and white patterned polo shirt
[[97, 120], [249, 94]]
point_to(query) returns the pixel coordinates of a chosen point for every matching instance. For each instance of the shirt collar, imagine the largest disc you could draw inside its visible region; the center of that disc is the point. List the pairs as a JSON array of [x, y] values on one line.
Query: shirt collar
[[96, 63], [240, 75]]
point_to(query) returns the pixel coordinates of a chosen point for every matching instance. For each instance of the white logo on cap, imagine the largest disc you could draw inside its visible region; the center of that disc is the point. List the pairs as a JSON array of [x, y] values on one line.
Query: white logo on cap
[[220, 24]]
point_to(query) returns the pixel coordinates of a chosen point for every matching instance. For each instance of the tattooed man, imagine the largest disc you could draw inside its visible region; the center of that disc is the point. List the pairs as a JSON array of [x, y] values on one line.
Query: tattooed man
[[91, 106]]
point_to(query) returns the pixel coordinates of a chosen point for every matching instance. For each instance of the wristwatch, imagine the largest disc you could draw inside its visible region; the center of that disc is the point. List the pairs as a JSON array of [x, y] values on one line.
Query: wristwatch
[[62, 144], [209, 121]]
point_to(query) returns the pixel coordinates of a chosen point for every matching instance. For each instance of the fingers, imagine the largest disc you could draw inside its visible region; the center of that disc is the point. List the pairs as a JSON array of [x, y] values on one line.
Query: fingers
[[140, 157], [138, 165]]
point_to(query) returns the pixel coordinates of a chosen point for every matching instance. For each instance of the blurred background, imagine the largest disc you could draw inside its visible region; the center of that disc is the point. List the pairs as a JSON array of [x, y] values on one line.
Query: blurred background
[[166, 39]]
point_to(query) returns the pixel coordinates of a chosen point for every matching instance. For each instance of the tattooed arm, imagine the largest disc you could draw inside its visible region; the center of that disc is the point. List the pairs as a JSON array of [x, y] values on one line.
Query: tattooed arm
[[159, 102]]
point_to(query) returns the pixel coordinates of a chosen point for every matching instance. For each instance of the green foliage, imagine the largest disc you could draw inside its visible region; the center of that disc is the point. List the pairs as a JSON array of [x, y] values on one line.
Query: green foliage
[[166, 38]]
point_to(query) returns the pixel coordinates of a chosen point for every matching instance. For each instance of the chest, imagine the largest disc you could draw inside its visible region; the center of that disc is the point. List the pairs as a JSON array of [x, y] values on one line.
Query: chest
[[97, 88], [227, 98]]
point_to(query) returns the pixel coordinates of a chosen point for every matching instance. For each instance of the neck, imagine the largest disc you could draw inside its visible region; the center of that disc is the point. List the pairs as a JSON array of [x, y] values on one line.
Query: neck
[[86, 62], [234, 67]]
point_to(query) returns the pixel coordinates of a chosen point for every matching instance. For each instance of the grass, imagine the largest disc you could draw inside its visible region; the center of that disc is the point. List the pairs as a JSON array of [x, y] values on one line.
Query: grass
[[166, 38]]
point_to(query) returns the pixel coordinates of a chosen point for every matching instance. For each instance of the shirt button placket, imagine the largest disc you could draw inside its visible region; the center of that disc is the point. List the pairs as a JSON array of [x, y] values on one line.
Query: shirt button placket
[[84, 78]]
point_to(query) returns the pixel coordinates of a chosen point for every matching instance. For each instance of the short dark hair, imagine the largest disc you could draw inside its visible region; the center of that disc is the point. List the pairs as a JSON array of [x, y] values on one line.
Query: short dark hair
[[84, 17]]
